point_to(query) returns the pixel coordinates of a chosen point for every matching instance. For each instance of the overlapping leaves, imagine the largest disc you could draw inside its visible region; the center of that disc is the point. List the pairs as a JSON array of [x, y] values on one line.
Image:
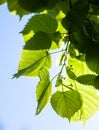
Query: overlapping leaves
[[76, 24], [85, 83], [43, 32]]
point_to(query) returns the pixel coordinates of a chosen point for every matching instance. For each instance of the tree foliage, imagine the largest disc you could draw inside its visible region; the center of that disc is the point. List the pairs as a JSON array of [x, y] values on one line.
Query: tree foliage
[[70, 29]]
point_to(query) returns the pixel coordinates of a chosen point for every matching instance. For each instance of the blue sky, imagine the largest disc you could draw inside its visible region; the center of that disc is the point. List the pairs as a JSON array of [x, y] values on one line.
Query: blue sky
[[17, 96]]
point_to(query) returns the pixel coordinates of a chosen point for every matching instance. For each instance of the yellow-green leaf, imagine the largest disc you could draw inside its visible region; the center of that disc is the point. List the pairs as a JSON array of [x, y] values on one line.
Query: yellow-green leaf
[[43, 90], [66, 103]]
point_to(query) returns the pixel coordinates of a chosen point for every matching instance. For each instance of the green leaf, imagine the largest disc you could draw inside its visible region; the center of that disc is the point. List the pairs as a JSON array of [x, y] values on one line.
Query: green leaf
[[80, 40], [95, 9], [87, 79], [41, 22], [15, 8], [66, 103], [92, 58], [90, 104], [56, 40], [39, 41], [94, 2], [79, 67], [70, 73], [75, 18], [32, 62], [95, 21], [2, 1], [96, 82], [37, 5], [59, 81], [43, 90]]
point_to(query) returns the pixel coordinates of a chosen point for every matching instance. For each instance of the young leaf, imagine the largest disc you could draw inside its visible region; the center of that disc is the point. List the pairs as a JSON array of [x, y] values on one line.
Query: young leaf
[[66, 103], [43, 90], [59, 81], [32, 61], [70, 73]]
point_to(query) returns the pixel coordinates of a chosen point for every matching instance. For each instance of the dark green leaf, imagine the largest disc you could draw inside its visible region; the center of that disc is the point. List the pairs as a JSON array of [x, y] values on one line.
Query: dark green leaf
[[39, 41], [96, 82], [37, 5], [94, 2], [87, 79], [56, 37], [80, 41], [70, 73], [76, 16], [92, 58], [66, 103], [15, 8], [2, 1]]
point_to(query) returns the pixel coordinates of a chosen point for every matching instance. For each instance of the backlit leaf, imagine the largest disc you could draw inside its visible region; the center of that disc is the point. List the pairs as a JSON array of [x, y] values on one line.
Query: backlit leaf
[[59, 81], [90, 98], [43, 90], [41, 22], [66, 103], [32, 61]]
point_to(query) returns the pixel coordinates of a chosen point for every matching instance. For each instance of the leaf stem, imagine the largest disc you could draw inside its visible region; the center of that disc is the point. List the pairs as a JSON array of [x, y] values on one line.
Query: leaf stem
[[67, 86]]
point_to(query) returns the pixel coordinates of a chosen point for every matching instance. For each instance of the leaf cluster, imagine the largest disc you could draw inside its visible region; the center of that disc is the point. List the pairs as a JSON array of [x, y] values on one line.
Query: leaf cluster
[[69, 29]]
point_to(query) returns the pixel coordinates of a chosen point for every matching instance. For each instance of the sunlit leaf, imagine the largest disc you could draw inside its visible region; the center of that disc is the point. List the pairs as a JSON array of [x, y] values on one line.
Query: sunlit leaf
[[41, 22], [90, 105], [58, 81], [79, 67], [43, 90], [32, 61], [66, 103]]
